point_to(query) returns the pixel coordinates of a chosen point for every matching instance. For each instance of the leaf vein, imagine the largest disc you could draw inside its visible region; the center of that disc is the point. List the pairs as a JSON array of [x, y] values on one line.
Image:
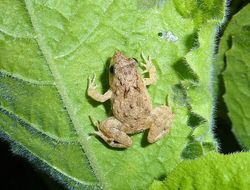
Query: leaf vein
[[30, 127], [84, 39], [64, 96], [25, 80], [15, 36]]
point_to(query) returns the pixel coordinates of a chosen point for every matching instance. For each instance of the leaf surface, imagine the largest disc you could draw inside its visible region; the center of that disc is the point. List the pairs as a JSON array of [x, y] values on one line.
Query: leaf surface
[[217, 172], [50, 48], [234, 53]]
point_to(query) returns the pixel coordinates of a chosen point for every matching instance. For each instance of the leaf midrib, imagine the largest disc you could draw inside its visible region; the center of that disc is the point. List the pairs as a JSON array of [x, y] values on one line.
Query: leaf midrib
[[64, 96]]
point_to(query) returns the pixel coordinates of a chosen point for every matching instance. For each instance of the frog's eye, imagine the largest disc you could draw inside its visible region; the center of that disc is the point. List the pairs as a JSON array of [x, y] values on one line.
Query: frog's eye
[[111, 69], [136, 61]]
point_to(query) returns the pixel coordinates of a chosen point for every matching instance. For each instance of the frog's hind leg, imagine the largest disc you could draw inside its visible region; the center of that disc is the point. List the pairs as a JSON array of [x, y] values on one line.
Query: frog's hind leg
[[110, 130], [162, 122]]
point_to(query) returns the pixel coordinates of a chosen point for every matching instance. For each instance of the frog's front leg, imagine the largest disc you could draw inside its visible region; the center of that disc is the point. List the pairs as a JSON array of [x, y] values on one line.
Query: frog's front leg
[[110, 130], [150, 68], [162, 118], [96, 95]]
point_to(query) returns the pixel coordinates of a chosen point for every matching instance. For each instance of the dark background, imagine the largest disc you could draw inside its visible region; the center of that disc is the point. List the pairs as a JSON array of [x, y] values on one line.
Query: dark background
[[16, 173]]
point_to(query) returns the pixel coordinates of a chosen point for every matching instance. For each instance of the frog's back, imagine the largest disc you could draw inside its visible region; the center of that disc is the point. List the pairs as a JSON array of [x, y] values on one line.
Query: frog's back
[[131, 106], [130, 101]]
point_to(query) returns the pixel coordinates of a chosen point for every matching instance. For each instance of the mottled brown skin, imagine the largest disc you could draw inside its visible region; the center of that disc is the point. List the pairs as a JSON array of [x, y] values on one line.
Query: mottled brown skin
[[131, 104]]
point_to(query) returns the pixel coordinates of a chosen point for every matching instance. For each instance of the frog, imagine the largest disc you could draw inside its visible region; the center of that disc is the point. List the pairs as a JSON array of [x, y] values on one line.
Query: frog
[[130, 102]]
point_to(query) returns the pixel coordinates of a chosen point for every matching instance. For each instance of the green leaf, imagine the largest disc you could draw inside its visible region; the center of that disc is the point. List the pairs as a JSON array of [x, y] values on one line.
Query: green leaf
[[216, 171], [50, 48], [234, 52]]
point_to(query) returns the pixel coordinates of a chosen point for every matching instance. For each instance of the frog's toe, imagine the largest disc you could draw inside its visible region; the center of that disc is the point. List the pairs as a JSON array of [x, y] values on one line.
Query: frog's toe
[[155, 135], [163, 119], [110, 130], [116, 137]]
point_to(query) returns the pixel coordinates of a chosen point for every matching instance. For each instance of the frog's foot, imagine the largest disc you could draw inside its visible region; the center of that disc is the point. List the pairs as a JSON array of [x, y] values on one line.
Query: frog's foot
[[92, 92], [110, 131], [163, 118], [146, 64], [91, 82], [148, 68]]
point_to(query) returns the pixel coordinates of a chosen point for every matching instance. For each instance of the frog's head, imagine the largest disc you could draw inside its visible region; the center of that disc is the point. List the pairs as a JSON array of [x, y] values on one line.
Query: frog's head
[[122, 68]]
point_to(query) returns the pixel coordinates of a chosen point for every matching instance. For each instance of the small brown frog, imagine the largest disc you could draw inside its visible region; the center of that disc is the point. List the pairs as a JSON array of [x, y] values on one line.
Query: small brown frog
[[131, 104]]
